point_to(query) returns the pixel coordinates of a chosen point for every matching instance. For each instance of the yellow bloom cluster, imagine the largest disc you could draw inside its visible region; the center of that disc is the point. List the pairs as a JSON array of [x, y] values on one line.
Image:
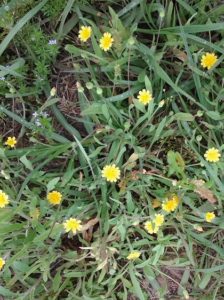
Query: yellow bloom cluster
[[4, 199], [144, 96], [209, 216], [54, 197], [150, 227], [11, 142], [134, 255], [171, 204], [158, 220], [106, 40], [72, 225], [85, 33], [111, 173], [2, 263], [212, 155], [208, 60], [154, 225]]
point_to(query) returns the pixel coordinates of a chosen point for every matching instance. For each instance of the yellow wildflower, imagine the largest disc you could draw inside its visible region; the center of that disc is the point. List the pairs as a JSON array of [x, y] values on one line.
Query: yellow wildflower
[[2, 263], [158, 220], [4, 199], [171, 204], [209, 216], [72, 225], [111, 173], [208, 60], [212, 155], [85, 33], [134, 255], [11, 141], [54, 197], [144, 96], [106, 41], [175, 199], [150, 228]]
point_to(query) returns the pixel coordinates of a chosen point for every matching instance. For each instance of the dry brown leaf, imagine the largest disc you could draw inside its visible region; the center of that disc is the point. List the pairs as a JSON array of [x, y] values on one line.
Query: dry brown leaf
[[181, 55], [87, 229], [156, 203], [203, 191]]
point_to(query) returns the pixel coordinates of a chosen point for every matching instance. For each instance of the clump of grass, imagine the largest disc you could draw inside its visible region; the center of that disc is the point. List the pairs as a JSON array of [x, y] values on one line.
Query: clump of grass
[[122, 199]]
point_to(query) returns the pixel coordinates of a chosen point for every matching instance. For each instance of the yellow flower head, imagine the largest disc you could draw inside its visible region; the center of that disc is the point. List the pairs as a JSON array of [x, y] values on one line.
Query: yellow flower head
[[158, 220], [171, 204], [175, 199], [208, 60], [134, 255], [111, 173], [150, 227], [54, 197], [11, 141], [212, 155], [106, 41], [2, 263], [85, 33], [4, 199], [209, 216], [144, 96], [72, 225]]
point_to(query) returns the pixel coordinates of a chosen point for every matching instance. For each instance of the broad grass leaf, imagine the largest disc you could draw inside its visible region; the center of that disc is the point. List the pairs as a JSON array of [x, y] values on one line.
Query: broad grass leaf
[[131, 162], [148, 84], [19, 25], [136, 286], [205, 280], [27, 163], [7, 293], [187, 117], [93, 109], [52, 183], [176, 163], [215, 115]]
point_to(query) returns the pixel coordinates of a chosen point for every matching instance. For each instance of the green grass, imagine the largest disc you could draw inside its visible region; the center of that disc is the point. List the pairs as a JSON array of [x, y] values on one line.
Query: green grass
[[95, 119]]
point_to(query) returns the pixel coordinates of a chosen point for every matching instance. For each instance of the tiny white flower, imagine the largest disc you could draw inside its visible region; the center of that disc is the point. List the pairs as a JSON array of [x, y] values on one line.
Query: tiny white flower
[[44, 114], [35, 114], [37, 122], [52, 42], [174, 182]]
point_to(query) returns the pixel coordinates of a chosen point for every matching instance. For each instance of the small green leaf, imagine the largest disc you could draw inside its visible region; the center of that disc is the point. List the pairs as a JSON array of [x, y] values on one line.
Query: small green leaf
[[27, 163], [52, 183], [215, 115], [183, 117], [136, 286], [176, 163], [148, 84]]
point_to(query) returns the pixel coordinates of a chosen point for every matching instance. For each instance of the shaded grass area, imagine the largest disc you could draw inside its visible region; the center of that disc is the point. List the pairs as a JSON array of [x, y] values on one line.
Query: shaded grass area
[[94, 119]]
